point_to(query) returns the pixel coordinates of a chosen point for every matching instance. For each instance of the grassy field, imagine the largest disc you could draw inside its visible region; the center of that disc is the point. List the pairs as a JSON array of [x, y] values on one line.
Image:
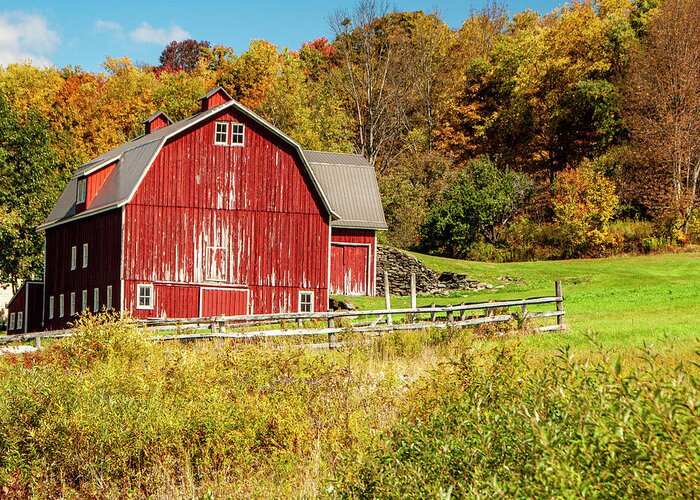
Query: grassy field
[[622, 301], [429, 414]]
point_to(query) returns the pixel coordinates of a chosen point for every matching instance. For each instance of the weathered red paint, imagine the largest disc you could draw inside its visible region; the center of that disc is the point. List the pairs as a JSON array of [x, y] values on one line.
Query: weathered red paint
[[28, 300], [353, 255], [224, 301], [102, 233], [208, 215], [95, 181], [219, 97]]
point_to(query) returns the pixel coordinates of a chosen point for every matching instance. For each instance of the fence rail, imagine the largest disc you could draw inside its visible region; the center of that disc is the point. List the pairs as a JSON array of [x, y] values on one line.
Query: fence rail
[[438, 317]]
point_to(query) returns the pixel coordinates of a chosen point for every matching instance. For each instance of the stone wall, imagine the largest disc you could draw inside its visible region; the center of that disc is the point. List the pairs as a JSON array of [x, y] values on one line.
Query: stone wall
[[400, 265]]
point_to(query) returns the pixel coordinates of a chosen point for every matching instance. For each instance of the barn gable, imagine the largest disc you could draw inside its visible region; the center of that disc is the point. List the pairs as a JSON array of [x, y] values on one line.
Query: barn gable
[[134, 158]]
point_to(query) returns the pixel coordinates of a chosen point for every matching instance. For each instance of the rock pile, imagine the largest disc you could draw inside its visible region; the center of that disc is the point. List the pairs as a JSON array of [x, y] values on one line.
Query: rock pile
[[400, 265]]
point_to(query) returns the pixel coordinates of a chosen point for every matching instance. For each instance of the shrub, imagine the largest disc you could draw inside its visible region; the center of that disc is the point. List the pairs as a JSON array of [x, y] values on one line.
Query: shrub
[[478, 205], [584, 203]]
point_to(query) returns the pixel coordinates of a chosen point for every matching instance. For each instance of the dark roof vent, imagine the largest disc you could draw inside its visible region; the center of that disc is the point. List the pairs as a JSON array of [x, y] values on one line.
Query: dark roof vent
[[214, 97], [155, 121]]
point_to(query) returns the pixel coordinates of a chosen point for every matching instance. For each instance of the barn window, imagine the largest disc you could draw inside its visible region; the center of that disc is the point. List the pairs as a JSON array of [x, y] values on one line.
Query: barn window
[[72, 303], [221, 135], [306, 302], [61, 307], [237, 134], [85, 302], [20, 320], [73, 258], [96, 300], [82, 190], [12, 322], [145, 297], [85, 255], [216, 264], [108, 304], [51, 307]]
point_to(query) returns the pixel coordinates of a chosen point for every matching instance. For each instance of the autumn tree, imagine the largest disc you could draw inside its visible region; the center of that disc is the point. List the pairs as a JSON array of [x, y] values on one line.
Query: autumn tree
[[183, 55], [663, 112]]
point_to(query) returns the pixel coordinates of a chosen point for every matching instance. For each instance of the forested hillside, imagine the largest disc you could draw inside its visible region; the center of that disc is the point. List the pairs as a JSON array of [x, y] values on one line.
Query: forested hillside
[[516, 136]]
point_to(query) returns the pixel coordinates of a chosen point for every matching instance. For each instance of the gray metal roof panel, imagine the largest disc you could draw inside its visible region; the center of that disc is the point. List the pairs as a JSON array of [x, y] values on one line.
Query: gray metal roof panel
[[350, 184]]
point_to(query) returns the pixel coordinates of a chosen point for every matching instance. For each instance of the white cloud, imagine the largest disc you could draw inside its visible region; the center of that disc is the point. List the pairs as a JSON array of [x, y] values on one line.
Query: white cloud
[[26, 37], [159, 36], [102, 25]]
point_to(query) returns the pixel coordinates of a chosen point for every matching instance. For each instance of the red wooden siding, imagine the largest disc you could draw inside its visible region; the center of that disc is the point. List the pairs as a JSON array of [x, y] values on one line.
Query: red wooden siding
[[95, 181], [353, 256], [28, 300], [174, 301], [207, 215], [222, 301], [102, 233]]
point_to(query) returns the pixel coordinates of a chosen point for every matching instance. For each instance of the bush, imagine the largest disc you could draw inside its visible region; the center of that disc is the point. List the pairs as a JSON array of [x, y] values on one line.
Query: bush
[[491, 425], [584, 203], [477, 206]]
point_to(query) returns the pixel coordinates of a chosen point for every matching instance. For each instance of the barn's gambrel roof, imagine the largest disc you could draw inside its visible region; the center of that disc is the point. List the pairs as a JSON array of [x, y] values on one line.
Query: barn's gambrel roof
[[346, 189]]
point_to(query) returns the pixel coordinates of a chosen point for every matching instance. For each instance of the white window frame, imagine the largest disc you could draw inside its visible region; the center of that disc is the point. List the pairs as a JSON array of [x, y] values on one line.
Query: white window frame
[[51, 307], [151, 300], [20, 320], [85, 255], [85, 301], [237, 132], [303, 294], [218, 133], [11, 325], [82, 190], [72, 303], [61, 306], [73, 257], [96, 300], [108, 304]]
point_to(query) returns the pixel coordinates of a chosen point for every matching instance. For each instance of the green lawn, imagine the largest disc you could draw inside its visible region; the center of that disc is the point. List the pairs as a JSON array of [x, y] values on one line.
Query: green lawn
[[622, 301]]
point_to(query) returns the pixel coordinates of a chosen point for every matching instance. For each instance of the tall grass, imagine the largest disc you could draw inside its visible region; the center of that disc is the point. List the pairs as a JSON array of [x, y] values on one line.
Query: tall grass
[[491, 424]]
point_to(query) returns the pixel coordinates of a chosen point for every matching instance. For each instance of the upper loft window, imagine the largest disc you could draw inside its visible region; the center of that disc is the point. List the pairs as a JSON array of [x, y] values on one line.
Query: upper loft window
[[237, 134], [82, 190], [221, 135]]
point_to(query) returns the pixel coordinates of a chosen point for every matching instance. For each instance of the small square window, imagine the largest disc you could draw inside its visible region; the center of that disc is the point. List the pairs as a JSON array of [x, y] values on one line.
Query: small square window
[[221, 135], [306, 302], [20, 320], [85, 255], [145, 297], [12, 322], [73, 258], [82, 190], [237, 134], [108, 304], [61, 306], [51, 307], [72, 303], [96, 300]]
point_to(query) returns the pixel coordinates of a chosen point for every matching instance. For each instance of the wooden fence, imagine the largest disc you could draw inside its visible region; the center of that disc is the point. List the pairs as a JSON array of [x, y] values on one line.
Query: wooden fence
[[415, 318]]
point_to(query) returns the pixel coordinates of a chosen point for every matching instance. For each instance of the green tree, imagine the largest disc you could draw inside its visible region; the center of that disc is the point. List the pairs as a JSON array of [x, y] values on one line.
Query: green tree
[[30, 182], [478, 205]]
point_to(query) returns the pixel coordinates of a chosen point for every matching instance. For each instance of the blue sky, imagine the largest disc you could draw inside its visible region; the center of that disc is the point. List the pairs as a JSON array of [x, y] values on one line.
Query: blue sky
[[82, 33]]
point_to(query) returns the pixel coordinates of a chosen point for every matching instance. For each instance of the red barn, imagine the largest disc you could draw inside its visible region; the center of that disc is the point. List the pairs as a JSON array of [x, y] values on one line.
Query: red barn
[[220, 213]]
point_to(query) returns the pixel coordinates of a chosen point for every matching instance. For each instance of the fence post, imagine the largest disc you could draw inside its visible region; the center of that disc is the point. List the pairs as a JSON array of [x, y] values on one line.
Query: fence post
[[523, 311], [331, 335], [37, 342], [413, 296], [387, 299], [433, 315], [560, 303], [450, 317]]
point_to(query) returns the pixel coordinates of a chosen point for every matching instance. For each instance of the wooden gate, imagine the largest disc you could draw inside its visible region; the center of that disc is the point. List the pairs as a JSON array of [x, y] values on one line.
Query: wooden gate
[[350, 268]]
